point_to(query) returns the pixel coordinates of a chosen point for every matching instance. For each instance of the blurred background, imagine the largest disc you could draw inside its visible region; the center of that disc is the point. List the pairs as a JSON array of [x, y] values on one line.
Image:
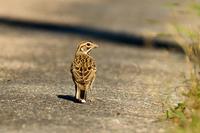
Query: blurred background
[[141, 17], [128, 16], [138, 63]]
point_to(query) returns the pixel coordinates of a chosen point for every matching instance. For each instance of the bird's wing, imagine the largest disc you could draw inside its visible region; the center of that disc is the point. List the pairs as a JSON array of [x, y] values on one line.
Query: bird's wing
[[83, 68]]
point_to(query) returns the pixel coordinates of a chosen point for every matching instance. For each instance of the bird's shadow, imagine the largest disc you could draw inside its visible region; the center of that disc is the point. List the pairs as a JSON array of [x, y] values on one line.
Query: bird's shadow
[[67, 97]]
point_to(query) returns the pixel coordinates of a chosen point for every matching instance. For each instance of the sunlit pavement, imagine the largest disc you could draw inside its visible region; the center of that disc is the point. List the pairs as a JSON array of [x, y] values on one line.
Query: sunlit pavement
[[36, 90]]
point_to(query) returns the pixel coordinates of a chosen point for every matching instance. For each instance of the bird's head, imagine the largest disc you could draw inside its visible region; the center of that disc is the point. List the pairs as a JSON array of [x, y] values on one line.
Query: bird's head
[[86, 47]]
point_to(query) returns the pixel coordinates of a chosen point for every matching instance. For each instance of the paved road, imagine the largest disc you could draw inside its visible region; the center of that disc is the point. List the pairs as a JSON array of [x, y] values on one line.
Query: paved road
[[36, 86], [36, 90]]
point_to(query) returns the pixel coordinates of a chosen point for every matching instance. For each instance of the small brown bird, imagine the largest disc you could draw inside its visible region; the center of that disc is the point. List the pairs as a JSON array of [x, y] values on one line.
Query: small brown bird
[[83, 70]]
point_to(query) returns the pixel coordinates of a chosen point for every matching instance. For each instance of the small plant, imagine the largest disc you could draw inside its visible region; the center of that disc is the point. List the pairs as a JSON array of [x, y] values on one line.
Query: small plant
[[187, 114], [177, 114]]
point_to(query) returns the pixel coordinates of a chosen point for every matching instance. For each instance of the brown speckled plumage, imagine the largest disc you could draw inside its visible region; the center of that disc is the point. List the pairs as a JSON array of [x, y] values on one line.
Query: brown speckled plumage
[[83, 70]]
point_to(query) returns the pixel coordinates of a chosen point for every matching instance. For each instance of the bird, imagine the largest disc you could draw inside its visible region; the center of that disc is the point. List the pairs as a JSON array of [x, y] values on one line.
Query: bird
[[83, 70]]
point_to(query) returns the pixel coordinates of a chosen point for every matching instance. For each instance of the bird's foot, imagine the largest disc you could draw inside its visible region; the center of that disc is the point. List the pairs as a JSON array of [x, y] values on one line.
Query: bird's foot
[[82, 101]]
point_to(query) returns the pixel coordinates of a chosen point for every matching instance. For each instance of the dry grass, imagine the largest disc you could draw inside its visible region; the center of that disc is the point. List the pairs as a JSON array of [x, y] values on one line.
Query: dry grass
[[187, 114]]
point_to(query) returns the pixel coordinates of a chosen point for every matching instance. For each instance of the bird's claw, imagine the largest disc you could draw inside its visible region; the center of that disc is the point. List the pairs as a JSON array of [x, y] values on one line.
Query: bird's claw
[[82, 101]]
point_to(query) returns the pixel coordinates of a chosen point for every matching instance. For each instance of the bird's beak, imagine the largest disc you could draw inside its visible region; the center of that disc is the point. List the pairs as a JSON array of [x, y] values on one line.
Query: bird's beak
[[95, 45]]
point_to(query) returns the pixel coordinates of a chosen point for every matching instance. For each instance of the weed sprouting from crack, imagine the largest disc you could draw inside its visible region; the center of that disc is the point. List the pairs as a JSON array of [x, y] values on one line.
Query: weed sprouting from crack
[[186, 115]]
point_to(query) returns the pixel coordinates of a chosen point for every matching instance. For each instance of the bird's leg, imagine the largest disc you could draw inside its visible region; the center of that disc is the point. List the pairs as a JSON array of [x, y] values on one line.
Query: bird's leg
[[77, 94], [83, 96]]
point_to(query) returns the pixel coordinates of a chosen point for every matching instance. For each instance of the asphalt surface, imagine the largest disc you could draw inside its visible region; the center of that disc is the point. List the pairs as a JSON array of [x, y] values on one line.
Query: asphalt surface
[[132, 84], [37, 90]]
